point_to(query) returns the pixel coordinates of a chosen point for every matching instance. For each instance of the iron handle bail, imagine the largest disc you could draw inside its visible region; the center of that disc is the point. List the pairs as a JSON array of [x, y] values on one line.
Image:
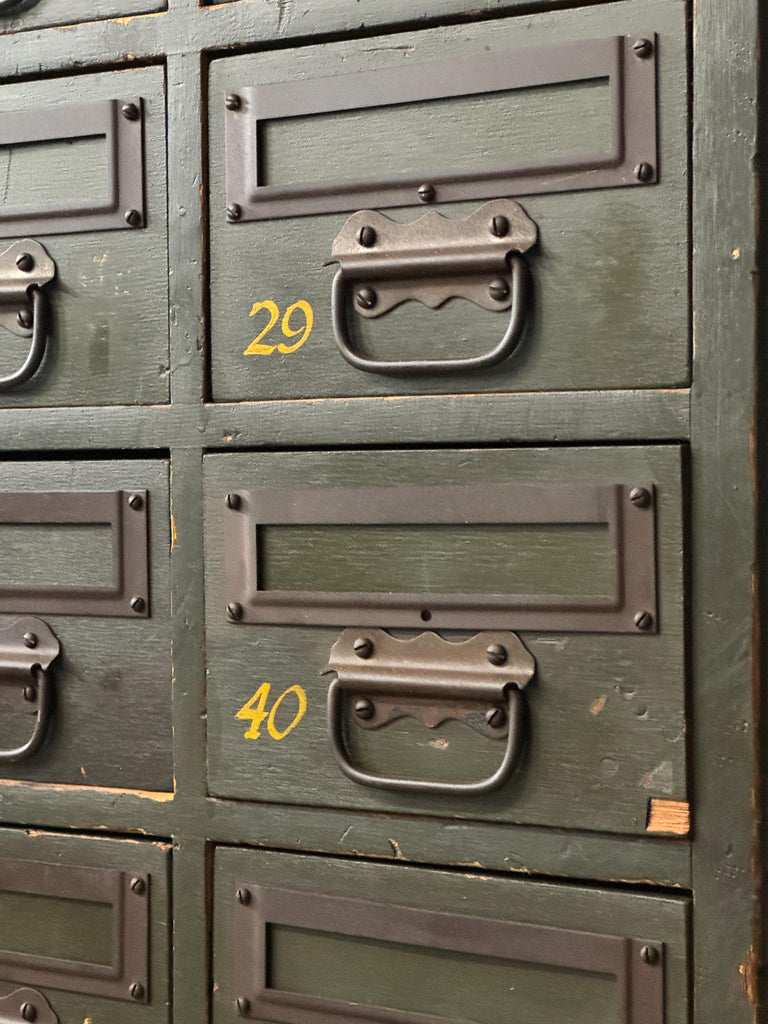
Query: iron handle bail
[[28, 647], [34, 359], [516, 714], [519, 291], [44, 686]]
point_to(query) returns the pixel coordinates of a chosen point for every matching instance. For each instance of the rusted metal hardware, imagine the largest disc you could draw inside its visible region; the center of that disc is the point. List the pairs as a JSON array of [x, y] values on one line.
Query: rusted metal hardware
[[632, 132], [122, 203], [122, 971], [630, 606], [432, 680], [26, 1004], [26, 268], [28, 648], [638, 975], [124, 512], [431, 260]]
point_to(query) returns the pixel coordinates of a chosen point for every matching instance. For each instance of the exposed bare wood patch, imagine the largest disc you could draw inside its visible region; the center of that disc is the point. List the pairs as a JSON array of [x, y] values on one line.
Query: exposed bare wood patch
[[671, 817]]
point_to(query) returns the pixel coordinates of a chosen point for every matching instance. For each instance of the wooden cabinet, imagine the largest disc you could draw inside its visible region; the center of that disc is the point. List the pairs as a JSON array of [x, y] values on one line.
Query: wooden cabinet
[[422, 345]]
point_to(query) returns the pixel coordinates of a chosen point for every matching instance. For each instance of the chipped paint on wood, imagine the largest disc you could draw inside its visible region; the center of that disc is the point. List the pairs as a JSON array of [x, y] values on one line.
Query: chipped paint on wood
[[669, 817], [598, 705]]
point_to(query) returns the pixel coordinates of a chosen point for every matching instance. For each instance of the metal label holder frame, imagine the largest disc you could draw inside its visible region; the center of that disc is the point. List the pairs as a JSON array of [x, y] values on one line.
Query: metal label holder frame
[[632, 77], [124, 141], [637, 965], [130, 932], [630, 608], [126, 515]]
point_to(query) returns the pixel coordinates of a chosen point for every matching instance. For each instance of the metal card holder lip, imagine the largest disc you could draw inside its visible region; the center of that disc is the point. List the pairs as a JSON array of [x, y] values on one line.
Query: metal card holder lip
[[630, 608], [633, 105], [124, 142], [129, 966], [639, 982], [129, 594]]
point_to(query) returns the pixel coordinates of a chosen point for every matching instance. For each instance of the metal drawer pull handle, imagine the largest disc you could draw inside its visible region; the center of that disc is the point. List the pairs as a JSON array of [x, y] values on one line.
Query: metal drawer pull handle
[[431, 260], [27, 649], [31, 364], [25, 269], [433, 680]]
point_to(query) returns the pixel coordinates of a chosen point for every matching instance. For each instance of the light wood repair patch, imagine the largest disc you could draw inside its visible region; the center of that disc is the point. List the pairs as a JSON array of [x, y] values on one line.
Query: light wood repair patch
[[672, 817]]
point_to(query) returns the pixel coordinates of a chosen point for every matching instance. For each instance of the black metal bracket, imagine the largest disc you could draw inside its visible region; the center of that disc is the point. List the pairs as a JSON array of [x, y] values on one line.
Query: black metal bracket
[[121, 124], [26, 267], [479, 681], [123, 973], [124, 512], [28, 648], [630, 158], [433, 259], [636, 966], [628, 513], [26, 1004]]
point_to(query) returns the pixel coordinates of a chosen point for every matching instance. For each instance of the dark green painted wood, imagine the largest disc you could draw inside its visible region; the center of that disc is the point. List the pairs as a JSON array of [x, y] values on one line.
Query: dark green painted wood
[[144, 858], [591, 910], [608, 729], [727, 916], [607, 264], [108, 342], [111, 725], [726, 622], [529, 418], [68, 12]]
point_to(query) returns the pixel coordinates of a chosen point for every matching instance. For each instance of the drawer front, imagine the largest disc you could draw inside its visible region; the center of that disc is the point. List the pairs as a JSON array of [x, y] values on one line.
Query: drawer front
[[527, 178], [495, 634], [83, 929], [17, 15], [300, 939], [83, 217], [85, 624]]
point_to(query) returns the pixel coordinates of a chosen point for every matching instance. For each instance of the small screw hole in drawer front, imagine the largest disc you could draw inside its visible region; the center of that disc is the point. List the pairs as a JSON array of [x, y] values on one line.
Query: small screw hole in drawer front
[[380, 625], [526, 176], [321, 940]]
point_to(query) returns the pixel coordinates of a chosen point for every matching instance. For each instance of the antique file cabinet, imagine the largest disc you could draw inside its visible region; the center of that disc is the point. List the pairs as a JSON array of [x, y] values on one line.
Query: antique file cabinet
[[381, 511]]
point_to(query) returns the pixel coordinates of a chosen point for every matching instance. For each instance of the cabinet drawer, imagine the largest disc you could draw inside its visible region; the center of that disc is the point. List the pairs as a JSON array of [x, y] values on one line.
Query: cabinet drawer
[[83, 929], [308, 939], [17, 15], [495, 634], [84, 624], [525, 177], [83, 217]]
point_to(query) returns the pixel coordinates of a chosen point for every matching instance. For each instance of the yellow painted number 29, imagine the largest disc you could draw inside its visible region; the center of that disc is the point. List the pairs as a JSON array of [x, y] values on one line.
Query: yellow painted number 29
[[259, 348], [255, 711]]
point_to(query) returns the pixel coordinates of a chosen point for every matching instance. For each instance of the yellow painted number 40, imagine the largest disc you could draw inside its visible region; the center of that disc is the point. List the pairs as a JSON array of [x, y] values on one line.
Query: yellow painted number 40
[[259, 348], [255, 711]]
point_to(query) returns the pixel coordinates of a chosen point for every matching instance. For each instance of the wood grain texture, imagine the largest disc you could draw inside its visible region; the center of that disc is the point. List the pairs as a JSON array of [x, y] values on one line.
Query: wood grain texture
[[609, 261], [725, 621], [669, 817], [583, 771], [144, 858], [650, 917], [69, 12], [109, 336], [111, 724]]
